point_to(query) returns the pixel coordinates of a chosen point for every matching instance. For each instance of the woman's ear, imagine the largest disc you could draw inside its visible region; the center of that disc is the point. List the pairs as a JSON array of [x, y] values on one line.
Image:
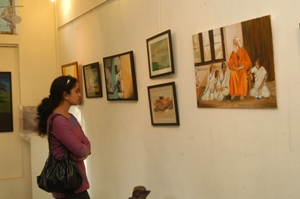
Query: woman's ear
[[65, 95]]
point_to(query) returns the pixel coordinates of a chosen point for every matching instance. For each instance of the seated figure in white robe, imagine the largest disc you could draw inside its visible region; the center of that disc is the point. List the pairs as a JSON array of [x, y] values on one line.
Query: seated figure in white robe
[[260, 88], [218, 86], [222, 89], [209, 91]]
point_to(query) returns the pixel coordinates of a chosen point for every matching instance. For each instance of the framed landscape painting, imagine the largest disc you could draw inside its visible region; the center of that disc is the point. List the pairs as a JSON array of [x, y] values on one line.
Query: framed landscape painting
[[120, 77], [6, 114], [160, 54]]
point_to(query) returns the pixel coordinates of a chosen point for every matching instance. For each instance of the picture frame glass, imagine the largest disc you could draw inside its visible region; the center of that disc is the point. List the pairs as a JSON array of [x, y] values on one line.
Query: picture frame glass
[[6, 113], [163, 104], [92, 80], [160, 55], [120, 77]]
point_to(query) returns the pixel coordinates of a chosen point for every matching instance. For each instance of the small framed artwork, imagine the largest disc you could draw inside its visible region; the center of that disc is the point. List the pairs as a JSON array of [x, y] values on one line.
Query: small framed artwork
[[163, 104], [6, 109], [70, 69], [27, 118], [160, 54], [120, 80], [92, 80]]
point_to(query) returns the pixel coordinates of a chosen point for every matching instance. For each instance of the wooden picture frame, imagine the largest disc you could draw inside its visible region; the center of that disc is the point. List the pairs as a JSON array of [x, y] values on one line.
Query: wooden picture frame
[[6, 110], [92, 80], [160, 54], [163, 104], [70, 69], [120, 77]]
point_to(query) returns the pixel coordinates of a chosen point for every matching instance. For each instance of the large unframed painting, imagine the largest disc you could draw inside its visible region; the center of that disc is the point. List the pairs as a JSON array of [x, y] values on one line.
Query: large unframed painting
[[234, 66], [6, 116]]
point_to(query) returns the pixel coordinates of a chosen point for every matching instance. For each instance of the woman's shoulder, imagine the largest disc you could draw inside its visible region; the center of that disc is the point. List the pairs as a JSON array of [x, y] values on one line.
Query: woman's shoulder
[[54, 114], [63, 119], [56, 118]]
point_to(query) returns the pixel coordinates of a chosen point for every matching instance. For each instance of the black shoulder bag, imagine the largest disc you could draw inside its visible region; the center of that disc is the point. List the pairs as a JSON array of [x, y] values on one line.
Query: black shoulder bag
[[61, 176]]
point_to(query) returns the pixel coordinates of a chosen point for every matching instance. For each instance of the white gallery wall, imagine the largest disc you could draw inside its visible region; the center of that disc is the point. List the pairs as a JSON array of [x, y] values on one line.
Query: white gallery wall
[[30, 56], [214, 153]]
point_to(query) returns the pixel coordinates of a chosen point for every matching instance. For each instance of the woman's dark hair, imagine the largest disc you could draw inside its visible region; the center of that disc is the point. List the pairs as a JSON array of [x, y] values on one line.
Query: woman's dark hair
[[223, 65], [216, 73], [258, 60], [58, 87]]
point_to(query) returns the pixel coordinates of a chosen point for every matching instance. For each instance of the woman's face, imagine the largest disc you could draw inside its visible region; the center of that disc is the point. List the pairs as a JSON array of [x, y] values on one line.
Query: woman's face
[[257, 65], [74, 97], [223, 67]]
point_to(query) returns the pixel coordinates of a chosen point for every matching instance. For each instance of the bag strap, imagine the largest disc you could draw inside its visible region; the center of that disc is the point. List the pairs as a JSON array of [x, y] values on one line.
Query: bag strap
[[50, 131], [67, 193]]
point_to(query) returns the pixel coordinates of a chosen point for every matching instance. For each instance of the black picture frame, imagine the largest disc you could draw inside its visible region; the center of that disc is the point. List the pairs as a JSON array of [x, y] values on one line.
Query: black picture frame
[[163, 104], [92, 80], [6, 109], [160, 54], [120, 79]]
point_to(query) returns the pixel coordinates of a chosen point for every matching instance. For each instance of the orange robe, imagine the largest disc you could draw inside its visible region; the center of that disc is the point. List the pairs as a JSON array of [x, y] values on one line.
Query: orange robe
[[238, 77]]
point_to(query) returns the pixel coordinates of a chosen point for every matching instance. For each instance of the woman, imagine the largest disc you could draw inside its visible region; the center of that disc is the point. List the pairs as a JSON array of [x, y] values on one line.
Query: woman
[[209, 91], [67, 132], [260, 88], [223, 88], [218, 86]]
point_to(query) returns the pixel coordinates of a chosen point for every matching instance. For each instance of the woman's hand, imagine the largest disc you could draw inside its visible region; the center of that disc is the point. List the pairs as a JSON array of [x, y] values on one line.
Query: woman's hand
[[87, 153], [76, 158]]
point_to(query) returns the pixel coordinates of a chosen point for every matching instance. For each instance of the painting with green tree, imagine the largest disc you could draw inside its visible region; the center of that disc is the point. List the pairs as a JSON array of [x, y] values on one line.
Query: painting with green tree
[[6, 116]]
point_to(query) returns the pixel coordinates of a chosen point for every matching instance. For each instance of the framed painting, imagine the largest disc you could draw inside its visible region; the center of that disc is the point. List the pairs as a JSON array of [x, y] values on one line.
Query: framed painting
[[234, 66], [70, 69], [163, 104], [92, 80], [120, 77], [160, 54], [28, 118], [6, 114]]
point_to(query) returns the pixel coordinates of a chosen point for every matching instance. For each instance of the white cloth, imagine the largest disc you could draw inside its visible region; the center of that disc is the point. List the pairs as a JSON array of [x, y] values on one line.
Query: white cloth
[[259, 76], [218, 93], [209, 91], [223, 83]]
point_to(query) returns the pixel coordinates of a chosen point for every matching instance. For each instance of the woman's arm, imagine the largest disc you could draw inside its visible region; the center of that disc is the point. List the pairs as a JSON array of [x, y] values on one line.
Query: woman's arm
[[69, 137], [87, 153]]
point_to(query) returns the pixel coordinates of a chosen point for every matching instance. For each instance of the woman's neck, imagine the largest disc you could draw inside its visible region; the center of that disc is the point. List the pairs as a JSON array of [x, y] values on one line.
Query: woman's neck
[[63, 110]]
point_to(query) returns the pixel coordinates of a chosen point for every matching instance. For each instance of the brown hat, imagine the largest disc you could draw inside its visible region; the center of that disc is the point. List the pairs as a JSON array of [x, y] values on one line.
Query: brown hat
[[140, 192]]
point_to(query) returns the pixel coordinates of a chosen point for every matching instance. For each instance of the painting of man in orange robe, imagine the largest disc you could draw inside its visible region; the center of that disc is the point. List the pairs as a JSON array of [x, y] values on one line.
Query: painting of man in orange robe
[[239, 63]]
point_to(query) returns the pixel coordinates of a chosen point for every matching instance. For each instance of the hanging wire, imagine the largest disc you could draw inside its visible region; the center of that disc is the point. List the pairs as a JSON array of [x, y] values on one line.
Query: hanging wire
[[159, 15]]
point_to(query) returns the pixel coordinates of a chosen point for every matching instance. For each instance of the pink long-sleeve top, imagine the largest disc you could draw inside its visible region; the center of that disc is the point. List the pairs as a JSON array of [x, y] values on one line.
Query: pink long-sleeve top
[[68, 134]]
